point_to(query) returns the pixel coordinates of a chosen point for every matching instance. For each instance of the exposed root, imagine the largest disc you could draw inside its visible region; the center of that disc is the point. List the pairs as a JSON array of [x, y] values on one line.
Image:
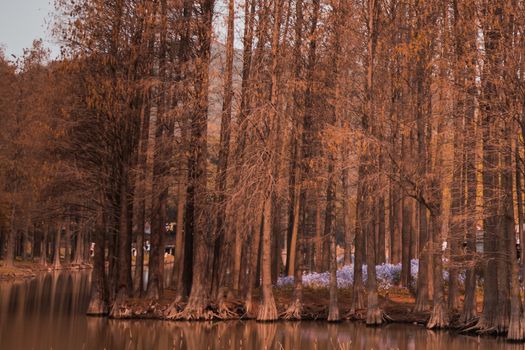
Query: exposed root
[[466, 326], [374, 316], [97, 307], [249, 309], [468, 318], [267, 311], [482, 326], [195, 310], [293, 312], [358, 301], [502, 324], [421, 305], [173, 310], [227, 310], [120, 310], [516, 330], [355, 315], [333, 314], [439, 317]]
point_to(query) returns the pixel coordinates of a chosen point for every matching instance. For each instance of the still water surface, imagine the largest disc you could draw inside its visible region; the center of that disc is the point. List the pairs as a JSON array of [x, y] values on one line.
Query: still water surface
[[48, 313]]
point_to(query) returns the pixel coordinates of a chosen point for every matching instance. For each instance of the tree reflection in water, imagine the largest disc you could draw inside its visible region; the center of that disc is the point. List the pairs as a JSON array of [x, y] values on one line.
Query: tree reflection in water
[[48, 313]]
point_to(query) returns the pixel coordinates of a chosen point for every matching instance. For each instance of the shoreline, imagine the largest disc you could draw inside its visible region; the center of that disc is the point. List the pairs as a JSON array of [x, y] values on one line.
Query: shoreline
[[25, 270], [315, 308]]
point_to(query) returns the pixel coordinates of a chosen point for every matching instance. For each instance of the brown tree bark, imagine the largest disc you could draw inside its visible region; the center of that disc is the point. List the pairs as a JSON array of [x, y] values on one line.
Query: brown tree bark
[[197, 189], [98, 304], [56, 247], [224, 238]]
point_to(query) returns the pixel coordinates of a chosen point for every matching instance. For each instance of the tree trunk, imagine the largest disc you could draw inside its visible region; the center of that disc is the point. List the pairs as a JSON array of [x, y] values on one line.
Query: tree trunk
[[439, 314], [348, 233], [374, 315], [381, 228], [123, 288], [56, 253], [358, 302], [267, 309], [516, 326], [9, 259], [44, 244], [79, 244], [98, 300], [329, 231], [178, 264], [406, 276], [224, 239], [198, 299]]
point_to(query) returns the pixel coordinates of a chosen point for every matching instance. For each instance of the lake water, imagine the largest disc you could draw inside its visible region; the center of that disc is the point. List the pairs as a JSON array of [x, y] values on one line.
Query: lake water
[[48, 313]]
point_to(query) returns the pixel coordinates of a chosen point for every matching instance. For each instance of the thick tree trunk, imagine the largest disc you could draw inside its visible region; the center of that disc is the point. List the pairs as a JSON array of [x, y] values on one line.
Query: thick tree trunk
[[178, 264], [79, 245], [98, 304], [123, 288], [516, 326], [253, 260], [200, 284], [267, 309], [439, 315], [491, 304], [294, 310], [224, 238], [139, 203]]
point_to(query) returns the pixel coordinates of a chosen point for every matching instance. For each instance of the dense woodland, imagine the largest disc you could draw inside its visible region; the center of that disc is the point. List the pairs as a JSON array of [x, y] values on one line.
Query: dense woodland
[[275, 134]]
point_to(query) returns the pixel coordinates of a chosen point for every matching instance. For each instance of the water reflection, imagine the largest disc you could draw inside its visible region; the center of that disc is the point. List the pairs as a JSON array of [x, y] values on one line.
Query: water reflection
[[48, 313]]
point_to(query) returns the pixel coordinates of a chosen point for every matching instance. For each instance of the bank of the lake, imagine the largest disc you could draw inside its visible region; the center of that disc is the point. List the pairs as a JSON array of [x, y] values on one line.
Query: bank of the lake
[[48, 312], [23, 270]]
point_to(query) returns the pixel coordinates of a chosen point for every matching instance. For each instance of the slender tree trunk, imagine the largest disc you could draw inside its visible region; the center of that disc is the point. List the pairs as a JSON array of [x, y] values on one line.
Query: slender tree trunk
[[348, 233], [329, 231], [56, 253], [9, 259], [406, 242], [44, 244], [358, 302], [67, 236], [381, 234]]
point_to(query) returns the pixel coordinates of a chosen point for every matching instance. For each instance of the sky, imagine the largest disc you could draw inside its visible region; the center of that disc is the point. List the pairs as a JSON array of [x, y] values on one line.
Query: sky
[[22, 21]]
